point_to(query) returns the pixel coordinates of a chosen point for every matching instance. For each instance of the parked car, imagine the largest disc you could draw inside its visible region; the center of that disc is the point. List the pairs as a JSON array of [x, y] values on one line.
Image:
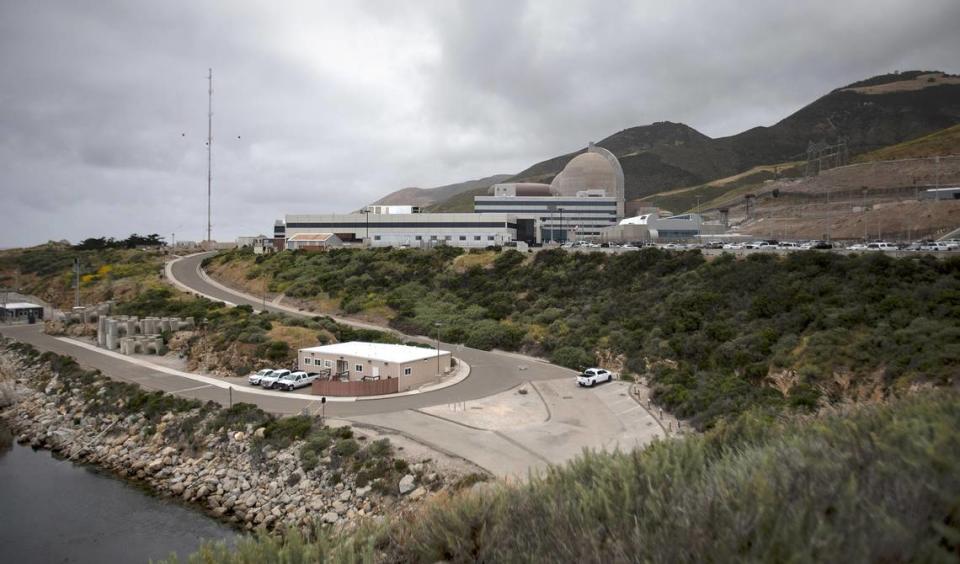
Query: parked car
[[270, 380], [593, 376], [935, 246], [255, 378], [857, 247], [295, 380], [733, 246], [822, 245], [881, 246], [762, 245], [788, 246], [629, 247]]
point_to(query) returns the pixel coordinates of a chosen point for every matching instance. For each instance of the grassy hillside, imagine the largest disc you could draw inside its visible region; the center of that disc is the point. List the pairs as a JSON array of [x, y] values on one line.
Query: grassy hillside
[[714, 337], [878, 484], [942, 143], [46, 271], [685, 199], [462, 202]]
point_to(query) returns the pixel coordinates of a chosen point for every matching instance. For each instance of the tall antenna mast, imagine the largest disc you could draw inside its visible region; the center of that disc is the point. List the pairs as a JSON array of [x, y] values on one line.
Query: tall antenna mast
[[209, 149]]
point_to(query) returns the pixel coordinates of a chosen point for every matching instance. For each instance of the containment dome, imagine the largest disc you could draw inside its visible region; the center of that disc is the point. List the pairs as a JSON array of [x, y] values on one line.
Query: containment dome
[[589, 171]]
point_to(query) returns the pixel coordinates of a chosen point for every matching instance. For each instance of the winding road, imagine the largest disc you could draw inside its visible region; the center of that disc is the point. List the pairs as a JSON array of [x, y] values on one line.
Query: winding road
[[604, 418]]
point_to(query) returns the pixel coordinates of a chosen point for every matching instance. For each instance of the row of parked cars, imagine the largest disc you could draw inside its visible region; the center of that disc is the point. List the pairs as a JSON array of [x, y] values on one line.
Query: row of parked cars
[[280, 379]]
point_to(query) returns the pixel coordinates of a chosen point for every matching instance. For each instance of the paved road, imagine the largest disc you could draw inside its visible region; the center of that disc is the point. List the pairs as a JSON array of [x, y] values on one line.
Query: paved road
[[593, 419], [490, 372]]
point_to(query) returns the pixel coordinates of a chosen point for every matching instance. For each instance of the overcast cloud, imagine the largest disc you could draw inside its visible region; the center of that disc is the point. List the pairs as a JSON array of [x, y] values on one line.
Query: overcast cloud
[[326, 106]]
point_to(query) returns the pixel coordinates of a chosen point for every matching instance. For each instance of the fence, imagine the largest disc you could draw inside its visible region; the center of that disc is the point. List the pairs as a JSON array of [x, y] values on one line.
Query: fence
[[355, 387]]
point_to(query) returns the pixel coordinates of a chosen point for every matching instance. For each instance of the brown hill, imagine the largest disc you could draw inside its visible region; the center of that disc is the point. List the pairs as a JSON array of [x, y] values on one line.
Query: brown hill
[[870, 114], [425, 197]]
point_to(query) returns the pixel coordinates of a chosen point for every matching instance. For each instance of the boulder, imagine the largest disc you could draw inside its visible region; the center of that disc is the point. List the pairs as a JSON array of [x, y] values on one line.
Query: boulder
[[330, 517], [417, 494], [407, 484]]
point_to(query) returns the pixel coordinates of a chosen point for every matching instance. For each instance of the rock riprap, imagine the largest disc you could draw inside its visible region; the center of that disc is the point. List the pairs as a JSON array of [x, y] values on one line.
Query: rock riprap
[[193, 451]]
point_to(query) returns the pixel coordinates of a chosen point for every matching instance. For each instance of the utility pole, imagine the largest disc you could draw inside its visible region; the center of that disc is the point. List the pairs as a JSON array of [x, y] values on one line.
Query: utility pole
[[438, 324], [864, 214], [209, 149]]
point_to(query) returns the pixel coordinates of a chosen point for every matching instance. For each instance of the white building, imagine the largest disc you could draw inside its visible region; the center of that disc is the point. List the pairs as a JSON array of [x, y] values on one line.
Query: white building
[[313, 242], [412, 230]]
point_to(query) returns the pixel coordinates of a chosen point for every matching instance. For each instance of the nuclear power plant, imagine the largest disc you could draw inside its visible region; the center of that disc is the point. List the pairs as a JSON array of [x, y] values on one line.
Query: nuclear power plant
[[585, 201]]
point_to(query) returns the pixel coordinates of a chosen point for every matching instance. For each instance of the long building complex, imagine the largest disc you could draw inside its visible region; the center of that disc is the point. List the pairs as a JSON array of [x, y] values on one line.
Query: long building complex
[[585, 201]]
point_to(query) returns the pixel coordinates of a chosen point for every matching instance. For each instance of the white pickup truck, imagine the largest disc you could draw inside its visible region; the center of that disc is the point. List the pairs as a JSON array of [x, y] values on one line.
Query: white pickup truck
[[593, 376], [295, 380], [270, 380]]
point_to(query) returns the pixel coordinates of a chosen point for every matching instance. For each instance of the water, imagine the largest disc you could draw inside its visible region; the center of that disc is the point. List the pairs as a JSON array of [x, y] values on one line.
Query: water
[[55, 511]]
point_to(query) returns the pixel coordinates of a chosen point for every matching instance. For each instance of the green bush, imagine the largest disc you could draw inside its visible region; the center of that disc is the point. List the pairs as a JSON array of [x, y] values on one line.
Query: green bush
[[879, 484]]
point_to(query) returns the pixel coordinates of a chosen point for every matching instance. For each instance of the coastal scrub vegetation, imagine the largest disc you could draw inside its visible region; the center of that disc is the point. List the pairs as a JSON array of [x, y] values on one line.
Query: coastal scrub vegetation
[[713, 337], [871, 483], [222, 327]]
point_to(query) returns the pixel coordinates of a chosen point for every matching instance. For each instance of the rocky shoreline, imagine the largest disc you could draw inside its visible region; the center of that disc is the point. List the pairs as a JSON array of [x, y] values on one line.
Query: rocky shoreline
[[239, 465]]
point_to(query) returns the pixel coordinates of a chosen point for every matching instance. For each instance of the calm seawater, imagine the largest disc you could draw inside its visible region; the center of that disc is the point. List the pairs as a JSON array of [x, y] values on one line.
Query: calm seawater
[[55, 511]]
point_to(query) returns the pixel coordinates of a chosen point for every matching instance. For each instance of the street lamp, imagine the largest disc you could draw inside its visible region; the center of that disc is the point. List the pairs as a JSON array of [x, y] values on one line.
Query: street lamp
[[438, 324]]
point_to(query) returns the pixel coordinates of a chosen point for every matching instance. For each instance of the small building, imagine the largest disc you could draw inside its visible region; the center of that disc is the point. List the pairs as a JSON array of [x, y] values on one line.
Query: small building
[[947, 193], [313, 241], [21, 311], [358, 361], [650, 227]]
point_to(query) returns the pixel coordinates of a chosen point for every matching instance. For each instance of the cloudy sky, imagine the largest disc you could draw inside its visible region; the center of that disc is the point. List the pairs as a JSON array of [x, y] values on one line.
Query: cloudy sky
[[324, 106]]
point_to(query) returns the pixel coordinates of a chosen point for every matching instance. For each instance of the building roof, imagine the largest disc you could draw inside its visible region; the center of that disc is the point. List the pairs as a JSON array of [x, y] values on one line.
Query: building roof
[[377, 351], [310, 237], [21, 305]]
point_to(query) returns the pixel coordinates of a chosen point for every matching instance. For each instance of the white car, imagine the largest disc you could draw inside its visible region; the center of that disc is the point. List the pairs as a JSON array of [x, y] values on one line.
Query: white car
[[935, 246], [270, 380], [857, 247], [881, 246], [733, 246], [256, 377], [593, 376], [295, 380]]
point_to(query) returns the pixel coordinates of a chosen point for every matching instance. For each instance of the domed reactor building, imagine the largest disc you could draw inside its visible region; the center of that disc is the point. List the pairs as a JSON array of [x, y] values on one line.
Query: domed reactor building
[[586, 197]]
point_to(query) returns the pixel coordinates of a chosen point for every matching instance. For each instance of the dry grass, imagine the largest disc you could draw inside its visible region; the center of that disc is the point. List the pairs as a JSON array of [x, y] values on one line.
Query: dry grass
[[296, 337], [467, 261], [918, 83]]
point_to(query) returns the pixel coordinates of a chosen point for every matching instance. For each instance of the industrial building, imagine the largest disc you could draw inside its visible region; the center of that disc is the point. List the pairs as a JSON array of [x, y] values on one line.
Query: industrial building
[[357, 361], [650, 226], [583, 200], [313, 242], [410, 230], [20, 311]]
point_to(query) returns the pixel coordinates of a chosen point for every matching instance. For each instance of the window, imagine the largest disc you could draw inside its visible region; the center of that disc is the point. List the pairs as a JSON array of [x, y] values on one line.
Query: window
[[419, 238], [463, 237], [433, 237], [358, 367], [328, 364], [407, 371], [376, 237], [489, 237], [446, 238], [308, 361], [476, 237]]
